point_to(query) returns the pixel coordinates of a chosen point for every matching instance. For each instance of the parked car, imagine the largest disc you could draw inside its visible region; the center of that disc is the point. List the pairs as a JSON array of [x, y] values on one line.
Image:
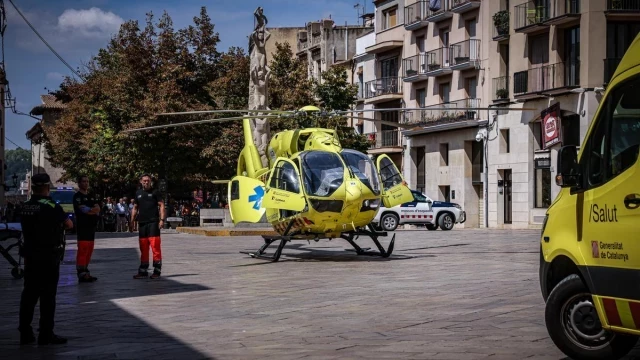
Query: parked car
[[421, 211]]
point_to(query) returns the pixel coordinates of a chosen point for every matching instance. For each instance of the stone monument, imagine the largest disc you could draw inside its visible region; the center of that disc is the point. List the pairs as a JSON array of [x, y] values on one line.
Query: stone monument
[[258, 83]]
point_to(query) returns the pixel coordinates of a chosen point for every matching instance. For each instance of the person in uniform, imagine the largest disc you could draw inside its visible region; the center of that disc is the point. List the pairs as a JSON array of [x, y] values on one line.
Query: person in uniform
[[149, 208], [43, 224], [86, 208]]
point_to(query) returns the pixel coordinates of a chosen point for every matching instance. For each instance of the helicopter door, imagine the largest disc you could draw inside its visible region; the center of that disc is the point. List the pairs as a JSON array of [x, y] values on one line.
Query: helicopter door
[[284, 191], [245, 196], [394, 189]]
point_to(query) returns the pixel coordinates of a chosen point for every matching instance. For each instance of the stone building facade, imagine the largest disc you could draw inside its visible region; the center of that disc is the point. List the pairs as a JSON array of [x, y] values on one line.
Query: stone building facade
[[323, 44], [517, 60], [50, 110]]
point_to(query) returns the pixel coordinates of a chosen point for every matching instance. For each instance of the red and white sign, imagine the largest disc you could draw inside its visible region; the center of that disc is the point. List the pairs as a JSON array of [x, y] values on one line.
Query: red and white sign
[[551, 125]]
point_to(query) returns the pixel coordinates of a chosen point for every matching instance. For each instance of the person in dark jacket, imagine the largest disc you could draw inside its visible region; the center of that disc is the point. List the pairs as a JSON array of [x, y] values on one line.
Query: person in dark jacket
[[150, 212], [86, 208], [43, 224]]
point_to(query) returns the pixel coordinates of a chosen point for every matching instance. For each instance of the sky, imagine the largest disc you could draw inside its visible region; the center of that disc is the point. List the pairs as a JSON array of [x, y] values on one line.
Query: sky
[[77, 29]]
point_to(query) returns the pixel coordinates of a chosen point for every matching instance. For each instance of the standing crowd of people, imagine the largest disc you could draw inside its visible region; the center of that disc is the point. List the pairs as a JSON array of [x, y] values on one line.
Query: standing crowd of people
[[116, 215], [43, 225]]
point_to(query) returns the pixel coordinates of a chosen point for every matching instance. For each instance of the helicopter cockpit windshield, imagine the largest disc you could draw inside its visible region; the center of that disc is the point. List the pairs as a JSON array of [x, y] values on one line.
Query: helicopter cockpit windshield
[[363, 168], [323, 173]]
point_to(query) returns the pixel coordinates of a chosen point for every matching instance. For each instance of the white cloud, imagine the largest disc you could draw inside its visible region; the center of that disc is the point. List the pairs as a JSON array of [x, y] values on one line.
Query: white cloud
[[55, 76], [73, 33], [92, 23]]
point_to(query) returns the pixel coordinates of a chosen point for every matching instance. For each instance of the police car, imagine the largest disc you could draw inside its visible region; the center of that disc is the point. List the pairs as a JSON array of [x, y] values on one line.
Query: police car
[[423, 211]]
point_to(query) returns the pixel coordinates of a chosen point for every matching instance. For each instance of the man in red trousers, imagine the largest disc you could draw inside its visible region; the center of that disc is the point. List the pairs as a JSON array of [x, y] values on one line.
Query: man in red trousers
[[149, 208], [86, 207]]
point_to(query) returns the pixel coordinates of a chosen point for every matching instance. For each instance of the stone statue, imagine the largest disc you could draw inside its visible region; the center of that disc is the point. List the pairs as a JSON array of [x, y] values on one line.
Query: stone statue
[[259, 82]]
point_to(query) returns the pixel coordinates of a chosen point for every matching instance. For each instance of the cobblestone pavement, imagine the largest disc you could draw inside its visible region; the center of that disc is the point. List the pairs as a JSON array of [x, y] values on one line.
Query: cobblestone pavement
[[462, 294]]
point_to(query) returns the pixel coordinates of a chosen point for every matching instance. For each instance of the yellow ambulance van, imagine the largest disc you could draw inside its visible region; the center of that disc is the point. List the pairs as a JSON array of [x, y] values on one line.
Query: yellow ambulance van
[[590, 243]]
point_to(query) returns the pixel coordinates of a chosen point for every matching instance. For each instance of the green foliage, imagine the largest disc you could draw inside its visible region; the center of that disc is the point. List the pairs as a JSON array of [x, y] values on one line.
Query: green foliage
[[335, 92], [143, 72], [290, 88], [152, 69], [501, 21], [18, 162]]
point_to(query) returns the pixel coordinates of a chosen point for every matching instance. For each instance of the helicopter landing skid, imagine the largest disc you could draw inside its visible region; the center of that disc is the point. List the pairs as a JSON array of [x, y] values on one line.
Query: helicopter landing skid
[[268, 240], [373, 234]]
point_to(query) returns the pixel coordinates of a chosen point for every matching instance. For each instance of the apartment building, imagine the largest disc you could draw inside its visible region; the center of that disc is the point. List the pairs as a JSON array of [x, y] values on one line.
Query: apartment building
[[364, 72], [323, 44], [379, 62], [554, 57], [528, 59], [444, 71]]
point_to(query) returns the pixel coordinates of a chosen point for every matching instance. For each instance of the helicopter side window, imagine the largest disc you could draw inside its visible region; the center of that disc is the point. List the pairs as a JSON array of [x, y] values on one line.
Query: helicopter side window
[[389, 174], [285, 178], [363, 168], [323, 173], [418, 197]]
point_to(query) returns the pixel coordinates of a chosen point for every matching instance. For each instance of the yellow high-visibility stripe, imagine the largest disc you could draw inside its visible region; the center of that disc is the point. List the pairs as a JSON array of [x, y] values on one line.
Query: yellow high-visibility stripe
[[625, 314]]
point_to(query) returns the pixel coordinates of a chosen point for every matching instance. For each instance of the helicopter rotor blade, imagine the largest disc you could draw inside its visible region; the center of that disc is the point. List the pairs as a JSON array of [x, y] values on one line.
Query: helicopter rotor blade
[[383, 122], [200, 122], [195, 112], [436, 109]]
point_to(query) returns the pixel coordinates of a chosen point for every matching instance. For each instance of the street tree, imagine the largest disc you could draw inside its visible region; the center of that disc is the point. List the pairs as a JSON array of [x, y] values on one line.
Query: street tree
[[143, 72]]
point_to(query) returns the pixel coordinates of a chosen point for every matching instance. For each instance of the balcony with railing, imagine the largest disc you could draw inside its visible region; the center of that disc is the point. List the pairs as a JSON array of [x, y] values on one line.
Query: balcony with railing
[[553, 79], [415, 15], [303, 45], [443, 12], [384, 139], [563, 12], [623, 8], [383, 89], [437, 62], [463, 6], [500, 89], [530, 17], [465, 54], [501, 25], [315, 40], [610, 66], [451, 112], [415, 68]]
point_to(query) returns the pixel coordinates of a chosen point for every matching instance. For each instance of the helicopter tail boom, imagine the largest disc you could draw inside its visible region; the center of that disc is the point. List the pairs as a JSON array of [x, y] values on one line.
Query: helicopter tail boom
[[249, 163]]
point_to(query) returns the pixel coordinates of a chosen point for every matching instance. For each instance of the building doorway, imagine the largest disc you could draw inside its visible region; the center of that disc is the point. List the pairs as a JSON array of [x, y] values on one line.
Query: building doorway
[[507, 197]]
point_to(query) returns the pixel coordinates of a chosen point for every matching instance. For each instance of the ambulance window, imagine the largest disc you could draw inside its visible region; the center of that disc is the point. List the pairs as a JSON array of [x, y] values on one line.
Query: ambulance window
[[614, 145], [625, 129], [596, 154]]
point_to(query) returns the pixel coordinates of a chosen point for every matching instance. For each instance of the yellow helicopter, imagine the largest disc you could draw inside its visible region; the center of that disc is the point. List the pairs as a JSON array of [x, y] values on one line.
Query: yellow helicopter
[[313, 188]]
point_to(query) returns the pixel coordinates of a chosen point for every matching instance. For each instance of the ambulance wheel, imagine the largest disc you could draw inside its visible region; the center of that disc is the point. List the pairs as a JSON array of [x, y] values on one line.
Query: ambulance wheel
[[389, 222], [445, 221], [17, 273], [574, 326], [432, 226]]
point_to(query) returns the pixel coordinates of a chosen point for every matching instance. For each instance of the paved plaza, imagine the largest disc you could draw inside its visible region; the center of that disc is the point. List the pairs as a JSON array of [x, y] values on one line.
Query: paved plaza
[[462, 294]]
